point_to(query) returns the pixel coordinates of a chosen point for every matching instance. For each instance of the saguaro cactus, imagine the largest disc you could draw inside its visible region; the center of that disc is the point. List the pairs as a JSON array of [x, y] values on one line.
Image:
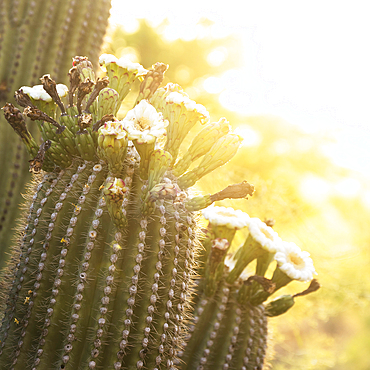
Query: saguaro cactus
[[109, 249], [36, 37]]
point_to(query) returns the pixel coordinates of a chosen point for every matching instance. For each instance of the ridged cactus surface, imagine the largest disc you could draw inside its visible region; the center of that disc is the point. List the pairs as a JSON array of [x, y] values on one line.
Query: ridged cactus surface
[[112, 270], [36, 37]]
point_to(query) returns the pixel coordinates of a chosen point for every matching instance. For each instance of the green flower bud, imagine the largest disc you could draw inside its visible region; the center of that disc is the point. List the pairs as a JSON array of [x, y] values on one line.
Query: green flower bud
[[112, 145], [84, 68], [198, 203], [279, 305], [202, 144], [159, 162], [182, 114], [220, 153], [122, 73], [107, 102]]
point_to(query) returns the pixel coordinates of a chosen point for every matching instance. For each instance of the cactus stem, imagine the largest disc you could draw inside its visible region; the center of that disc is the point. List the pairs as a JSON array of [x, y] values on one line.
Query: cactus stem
[[24, 235], [20, 53], [205, 329], [42, 40], [14, 175], [43, 270], [233, 340], [26, 259]]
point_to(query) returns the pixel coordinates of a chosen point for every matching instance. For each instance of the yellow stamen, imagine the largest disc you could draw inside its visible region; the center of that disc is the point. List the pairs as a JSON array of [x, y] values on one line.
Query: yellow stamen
[[267, 234]]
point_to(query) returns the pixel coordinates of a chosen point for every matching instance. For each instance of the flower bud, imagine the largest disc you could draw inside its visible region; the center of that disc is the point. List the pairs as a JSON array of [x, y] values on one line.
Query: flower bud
[[202, 144], [122, 73], [107, 102], [221, 152], [279, 305], [112, 145]]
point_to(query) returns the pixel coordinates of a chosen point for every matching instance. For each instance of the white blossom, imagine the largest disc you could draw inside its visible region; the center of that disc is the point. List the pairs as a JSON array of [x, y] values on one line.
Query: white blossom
[[144, 123], [294, 262], [37, 92], [264, 235], [123, 62], [113, 128], [229, 217], [182, 98]]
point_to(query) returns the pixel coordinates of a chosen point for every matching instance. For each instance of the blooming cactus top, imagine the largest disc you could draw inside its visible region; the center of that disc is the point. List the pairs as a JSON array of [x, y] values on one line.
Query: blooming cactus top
[[123, 62], [37, 92], [294, 262], [229, 217], [144, 123]]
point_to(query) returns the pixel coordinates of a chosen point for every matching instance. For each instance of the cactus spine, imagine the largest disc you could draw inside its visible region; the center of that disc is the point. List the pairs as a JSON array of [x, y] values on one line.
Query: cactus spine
[[37, 37], [106, 266]]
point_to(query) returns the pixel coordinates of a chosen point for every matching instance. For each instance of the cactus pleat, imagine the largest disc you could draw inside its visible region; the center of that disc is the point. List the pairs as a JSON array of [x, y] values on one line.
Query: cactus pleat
[[37, 37], [110, 272]]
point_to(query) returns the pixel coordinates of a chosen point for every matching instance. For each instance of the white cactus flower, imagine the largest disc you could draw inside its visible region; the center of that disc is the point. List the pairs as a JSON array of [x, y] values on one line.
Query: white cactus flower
[[294, 262], [37, 92], [229, 217], [123, 62], [144, 123], [113, 128], [264, 235], [181, 98]]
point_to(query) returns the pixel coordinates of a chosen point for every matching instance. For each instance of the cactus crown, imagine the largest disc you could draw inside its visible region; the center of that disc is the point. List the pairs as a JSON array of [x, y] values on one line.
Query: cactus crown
[[112, 288]]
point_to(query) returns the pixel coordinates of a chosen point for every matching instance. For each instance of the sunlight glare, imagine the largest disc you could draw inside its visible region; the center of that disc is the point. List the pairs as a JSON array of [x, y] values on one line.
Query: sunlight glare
[[250, 137], [213, 85], [348, 187], [315, 189], [217, 56]]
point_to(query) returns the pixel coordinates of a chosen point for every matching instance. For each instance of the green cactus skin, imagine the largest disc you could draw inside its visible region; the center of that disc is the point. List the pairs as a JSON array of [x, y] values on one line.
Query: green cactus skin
[[225, 334], [109, 271], [36, 37]]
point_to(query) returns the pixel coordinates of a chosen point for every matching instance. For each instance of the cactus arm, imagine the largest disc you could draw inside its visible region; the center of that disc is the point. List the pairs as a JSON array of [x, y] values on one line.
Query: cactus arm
[[96, 257], [20, 70], [7, 43], [53, 60], [87, 44], [128, 263], [223, 330], [25, 274], [199, 331], [50, 245], [65, 280], [41, 43], [24, 231], [242, 352], [78, 12]]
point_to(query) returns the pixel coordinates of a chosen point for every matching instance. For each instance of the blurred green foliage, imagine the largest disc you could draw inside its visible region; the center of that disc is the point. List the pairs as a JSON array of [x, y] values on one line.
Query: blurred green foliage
[[326, 330]]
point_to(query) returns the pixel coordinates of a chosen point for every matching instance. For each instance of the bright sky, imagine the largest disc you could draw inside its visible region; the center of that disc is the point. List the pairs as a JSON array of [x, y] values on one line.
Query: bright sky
[[307, 62]]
